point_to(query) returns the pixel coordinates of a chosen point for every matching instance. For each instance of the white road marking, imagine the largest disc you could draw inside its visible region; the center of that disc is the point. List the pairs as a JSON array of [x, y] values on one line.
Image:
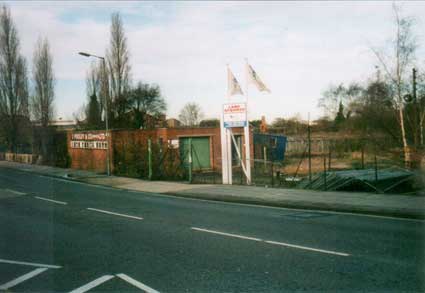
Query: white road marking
[[116, 214], [136, 283], [307, 248], [272, 242], [15, 192], [22, 278], [92, 284], [51, 200], [32, 264], [147, 193], [226, 234]]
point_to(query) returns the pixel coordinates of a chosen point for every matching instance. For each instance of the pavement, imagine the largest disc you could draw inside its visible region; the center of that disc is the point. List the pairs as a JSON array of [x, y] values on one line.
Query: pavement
[[392, 205], [62, 235]]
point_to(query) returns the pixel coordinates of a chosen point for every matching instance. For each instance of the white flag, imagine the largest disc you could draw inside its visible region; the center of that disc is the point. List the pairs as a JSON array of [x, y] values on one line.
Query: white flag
[[233, 87], [255, 79]]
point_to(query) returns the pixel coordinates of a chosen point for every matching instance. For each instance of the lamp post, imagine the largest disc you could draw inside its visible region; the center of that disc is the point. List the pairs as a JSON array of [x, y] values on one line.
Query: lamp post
[[106, 108]]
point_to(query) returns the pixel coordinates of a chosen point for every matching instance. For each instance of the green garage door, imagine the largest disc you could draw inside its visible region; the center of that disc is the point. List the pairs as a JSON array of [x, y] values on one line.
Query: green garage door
[[200, 151]]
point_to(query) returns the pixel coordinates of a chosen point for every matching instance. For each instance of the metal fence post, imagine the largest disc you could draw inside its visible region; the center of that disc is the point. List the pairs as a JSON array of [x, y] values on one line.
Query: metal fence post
[[190, 160], [271, 166], [309, 150], [324, 171], [150, 159], [329, 159], [376, 174]]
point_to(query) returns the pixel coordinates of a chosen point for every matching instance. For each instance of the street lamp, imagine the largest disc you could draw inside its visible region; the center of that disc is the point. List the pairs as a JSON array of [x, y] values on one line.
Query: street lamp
[[106, 108]]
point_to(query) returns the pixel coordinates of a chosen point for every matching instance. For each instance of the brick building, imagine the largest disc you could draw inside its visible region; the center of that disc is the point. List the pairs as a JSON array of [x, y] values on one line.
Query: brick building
[[88, 149]]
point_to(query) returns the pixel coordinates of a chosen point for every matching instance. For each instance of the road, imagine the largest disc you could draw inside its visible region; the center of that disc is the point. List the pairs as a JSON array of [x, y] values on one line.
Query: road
[[62, 236]]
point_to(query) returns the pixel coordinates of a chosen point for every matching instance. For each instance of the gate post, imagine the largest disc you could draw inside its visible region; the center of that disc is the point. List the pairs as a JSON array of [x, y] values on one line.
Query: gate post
[[190, 160], [150, 158]]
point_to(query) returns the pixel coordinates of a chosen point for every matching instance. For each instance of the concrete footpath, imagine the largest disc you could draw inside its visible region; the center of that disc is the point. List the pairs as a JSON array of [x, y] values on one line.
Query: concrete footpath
[[395, 205]]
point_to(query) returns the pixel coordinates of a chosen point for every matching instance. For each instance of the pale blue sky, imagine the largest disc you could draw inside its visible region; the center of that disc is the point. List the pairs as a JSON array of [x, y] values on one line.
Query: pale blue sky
[[297, 48]]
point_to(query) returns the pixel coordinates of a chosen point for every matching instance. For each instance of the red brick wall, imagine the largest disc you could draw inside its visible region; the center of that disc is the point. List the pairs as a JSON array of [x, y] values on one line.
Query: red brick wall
[[87, 159], [95, 160]]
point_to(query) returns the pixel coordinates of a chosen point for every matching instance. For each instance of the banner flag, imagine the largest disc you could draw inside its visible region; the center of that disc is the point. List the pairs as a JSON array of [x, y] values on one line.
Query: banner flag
[[233, 87], [255, 79]]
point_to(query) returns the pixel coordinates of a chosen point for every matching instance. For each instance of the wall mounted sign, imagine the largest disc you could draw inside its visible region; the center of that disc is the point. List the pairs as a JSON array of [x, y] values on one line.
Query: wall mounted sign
[[87, 140]]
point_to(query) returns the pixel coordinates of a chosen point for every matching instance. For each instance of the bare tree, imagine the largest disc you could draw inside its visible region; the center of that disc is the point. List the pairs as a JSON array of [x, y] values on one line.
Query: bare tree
[[93, 87], [191, 114], [44, 83], [333, 96], [93, 80], [395, 65], [118, 67], [104, 93], [80, 115], [13, 81]]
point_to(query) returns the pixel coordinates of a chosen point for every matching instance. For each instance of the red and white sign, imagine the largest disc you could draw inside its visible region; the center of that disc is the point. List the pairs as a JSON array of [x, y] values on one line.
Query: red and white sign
[[234, 115], [89, 136], [89, 140]]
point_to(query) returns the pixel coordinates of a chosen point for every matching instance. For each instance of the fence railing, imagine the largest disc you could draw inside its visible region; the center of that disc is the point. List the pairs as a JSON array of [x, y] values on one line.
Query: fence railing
[[20, 158], [362, 168]]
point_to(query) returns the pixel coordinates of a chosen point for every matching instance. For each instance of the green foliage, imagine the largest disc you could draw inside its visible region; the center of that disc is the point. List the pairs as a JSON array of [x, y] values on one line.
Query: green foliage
[[93, 113], [131, 158], [334, 96], [145, 99], [339, 118], [291, 126], [62, 158], [210, 123], [255, 124]]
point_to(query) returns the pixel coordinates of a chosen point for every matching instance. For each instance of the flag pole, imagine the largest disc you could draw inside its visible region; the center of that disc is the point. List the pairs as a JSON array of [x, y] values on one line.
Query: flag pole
[[246, 129], [226, 162]]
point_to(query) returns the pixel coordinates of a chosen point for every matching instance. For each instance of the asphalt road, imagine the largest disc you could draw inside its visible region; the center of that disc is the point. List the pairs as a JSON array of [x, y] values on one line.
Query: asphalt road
[[60, 236]]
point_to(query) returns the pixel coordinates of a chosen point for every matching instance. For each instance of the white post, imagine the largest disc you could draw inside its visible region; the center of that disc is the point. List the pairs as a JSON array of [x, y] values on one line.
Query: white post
[[224, 152], [226, 148], [229, 155], [246, 131]]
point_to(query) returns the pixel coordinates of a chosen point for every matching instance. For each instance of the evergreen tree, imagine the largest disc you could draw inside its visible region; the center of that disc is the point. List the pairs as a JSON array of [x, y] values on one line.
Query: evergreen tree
[[93, 113], [339, 118]]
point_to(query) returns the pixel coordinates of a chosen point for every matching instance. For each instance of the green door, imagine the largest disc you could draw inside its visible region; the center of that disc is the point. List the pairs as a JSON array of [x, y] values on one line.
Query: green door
[[200, 152]]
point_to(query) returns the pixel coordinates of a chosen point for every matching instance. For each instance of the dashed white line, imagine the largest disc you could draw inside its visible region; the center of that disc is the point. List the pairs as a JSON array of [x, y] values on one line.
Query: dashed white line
[[92, 284], [115, 214], [226, 234], [22, 278], [32, 264], [137, 283], [15, 192], [272, 242], [308, 248], [51, 200]]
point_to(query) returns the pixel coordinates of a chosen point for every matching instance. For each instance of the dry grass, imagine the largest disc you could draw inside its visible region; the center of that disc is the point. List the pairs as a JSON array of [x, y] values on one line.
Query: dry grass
[[344, 161]]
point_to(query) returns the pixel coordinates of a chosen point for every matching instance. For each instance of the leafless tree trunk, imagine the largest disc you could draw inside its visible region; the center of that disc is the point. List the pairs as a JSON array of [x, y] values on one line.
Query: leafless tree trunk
[[44, 94], [93, 80], [13, 80], [191, 114], [404, 46], [104, 93], [44, 83], [118, 66]]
